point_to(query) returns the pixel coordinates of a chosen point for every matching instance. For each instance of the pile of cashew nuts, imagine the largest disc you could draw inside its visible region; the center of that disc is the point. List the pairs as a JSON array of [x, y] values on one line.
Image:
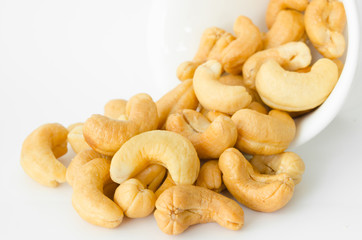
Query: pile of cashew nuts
[[233, 110]]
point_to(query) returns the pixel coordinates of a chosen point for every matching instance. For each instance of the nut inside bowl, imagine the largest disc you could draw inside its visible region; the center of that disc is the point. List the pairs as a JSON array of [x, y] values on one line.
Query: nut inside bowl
[[181, 23]]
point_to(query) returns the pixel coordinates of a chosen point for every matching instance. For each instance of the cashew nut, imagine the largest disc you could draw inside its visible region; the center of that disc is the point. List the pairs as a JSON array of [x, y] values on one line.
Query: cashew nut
[[324, 24], [134, 199], [286, 162], [88, 198], [260, 192], [249, 41], [152, 176], [256, 106], [165, 185], [263, 134], [210, 176], [169, 149], [291, 56], [293, 91], [115, 108], [181, 97], [40, 151], [106, 135], [76, 139], [181, 206], [275, 6], [209, 139], [214, 95]]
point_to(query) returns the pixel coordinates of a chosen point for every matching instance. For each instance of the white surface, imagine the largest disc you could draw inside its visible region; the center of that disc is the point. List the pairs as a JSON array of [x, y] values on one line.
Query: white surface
[[61, 61]]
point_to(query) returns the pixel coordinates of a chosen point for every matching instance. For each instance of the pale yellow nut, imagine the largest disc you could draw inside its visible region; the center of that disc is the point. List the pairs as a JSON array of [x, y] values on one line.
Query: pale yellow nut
[[324, 24], [263, 134], [115, 108], [107, 135], [293, 91], [186, 70], [76, 139], [88, 198], [249, 41], [211, 115], [209, 139], [181, 97], [260, 192], [286, 162], [181, 206], [152, 176], [288, 27], [40, 151], [214, 95], [291, 56], [134, 199], [165, 185], [169, 149], [275, 6], [210, 176], [256, 106], [82, 157]]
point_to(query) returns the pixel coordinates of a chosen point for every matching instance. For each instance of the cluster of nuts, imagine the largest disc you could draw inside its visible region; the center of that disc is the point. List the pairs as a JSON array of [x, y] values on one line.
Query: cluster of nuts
[[237, 96]]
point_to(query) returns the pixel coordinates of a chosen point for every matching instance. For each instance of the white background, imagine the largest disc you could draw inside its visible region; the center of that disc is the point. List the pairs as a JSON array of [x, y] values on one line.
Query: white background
[[61, 61]]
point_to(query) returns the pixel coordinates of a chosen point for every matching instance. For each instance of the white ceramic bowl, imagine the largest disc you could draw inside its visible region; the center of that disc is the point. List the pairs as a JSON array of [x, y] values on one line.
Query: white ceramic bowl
[[174, 29]]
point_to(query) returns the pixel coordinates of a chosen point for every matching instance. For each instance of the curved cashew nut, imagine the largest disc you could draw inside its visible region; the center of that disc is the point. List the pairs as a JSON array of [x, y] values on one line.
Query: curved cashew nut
[[291, 56], [115, 108], [76, 139], [287, 162], [249, 40], [210, 176], [324, 24], [181, 97], [40, 151], [216, 96], [275, 6], [260, 192], [165, 185], [263, 134], [134, 199], [293, 91], [169, 149], [152, 176], [88, 198], [106, 135], [209, 139], [181, 206]]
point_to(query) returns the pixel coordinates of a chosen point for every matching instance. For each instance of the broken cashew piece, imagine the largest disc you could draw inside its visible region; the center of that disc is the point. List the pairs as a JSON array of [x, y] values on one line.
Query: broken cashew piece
[[275, 6], [291, 56], [286, 162], [134, 199], [88, 198], [210, 176], [209, 139], [107, 135], [260, 192], [181, 97], [181, 206], [169, 149], [214, 95], [40, 151], [115, 108], [76, 139], [152, 176], [293, 91], [165, 185], [263, 134], [324, 24]]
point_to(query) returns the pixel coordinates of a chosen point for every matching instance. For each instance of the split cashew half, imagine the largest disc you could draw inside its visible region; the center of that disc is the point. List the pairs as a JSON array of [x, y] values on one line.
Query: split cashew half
[[286, 162], [181, 206], [214, 95], [260, 192], [76, 138], [263, 134], [209, 139], [275, 6], [291, 56], [324, 23], [40, 151], [169, 149], [88, 198], [210, 176], [115, 108], [293, 91], [134, 199], [107, 135]]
